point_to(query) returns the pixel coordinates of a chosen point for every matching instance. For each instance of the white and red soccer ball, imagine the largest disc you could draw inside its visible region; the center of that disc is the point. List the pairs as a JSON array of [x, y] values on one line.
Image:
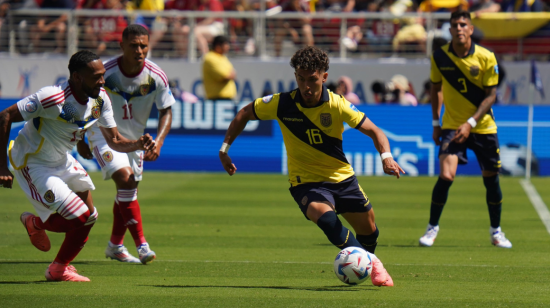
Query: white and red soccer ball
[[353, 265]]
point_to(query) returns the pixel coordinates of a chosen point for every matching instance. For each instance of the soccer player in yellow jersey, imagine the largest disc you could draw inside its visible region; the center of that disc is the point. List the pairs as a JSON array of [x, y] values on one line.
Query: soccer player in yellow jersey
[[467, 74], [322, 181]]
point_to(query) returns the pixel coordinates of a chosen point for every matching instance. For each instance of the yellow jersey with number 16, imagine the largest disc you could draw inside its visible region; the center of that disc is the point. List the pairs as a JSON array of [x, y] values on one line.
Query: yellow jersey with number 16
[[464, 82], [312, 135]]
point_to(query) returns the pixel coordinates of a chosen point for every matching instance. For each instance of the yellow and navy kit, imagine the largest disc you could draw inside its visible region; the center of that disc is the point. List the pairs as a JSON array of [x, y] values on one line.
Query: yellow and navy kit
[[464, 82], [312, 135]]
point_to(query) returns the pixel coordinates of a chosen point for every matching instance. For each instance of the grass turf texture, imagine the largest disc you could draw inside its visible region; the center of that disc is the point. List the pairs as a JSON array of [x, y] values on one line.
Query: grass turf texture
[[243, 242]]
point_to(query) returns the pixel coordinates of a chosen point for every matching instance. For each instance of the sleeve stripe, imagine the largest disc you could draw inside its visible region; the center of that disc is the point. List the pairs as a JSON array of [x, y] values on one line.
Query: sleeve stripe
[[47, 99], [160, 74], [361, 123], [54, 104]]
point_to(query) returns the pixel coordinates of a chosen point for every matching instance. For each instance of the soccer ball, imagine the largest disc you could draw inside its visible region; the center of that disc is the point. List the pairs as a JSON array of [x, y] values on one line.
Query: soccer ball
[[353, 265]]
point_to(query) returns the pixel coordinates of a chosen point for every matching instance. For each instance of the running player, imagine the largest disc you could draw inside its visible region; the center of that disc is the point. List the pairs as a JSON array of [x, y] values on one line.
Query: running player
[[468, 75], [322, 181], [133, 84], [54, 182]]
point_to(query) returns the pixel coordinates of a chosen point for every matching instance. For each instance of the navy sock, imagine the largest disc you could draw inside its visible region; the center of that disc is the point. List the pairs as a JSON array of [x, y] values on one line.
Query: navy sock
[[494, 199], [369, 242], [336, 233], [439, 198]]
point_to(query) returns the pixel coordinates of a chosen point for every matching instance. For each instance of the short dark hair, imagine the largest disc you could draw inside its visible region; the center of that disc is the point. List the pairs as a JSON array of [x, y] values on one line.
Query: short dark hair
[[134, 29], [458, 14], [219, 41], [310, 58], [80, 60]]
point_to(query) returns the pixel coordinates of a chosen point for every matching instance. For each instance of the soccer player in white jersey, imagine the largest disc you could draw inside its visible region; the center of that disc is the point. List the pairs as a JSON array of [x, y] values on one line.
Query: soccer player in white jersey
[[133, 83], [54, 182]]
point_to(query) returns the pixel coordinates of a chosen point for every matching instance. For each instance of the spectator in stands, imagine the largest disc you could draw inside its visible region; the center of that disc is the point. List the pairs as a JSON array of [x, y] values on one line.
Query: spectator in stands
[[484, 6], [208, 28], [425, 97], [412, 30], [20, 22], [103, 31], [51, 25], [284, 27], [157, 26], [218, 74], [344, 87], [521, 6], [180, 29], [404, 91], [354, 34], [240, 27]]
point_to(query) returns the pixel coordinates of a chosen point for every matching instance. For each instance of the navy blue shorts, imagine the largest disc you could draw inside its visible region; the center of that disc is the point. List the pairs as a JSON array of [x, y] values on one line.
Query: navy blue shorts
[[346, 196], [485, 146]]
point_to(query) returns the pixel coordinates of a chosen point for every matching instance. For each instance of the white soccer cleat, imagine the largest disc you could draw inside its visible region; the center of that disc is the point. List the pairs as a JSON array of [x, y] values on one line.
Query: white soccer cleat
[[499, 239], [429, 237], [120, 253], [146, 255]]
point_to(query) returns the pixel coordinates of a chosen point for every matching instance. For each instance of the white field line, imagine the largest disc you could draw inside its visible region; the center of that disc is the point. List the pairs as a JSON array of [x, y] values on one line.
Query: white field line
[[287, 262], [537, 202]]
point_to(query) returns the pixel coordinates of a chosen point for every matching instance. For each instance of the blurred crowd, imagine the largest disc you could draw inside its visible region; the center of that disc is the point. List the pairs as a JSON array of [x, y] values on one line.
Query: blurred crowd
[[35, 34]]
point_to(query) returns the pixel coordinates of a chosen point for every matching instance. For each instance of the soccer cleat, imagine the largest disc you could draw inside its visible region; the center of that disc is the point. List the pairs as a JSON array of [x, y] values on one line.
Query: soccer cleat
[[60, 272], [499, 239], [120, 253], [379, 275], [429, 237], [39, 238], [146, 255]]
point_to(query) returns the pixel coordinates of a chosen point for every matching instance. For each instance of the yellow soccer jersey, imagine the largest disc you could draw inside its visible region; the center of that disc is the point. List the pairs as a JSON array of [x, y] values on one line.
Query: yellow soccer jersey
[[464, 82], [312, 135]]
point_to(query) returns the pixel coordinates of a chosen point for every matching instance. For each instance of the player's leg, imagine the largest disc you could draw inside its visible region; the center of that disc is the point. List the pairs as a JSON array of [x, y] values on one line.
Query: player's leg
[[450, 155], [316, 204], [486, 148]]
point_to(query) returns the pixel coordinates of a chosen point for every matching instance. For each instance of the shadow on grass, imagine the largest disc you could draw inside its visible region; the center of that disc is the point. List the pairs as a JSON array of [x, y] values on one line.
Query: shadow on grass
[[322, 289], [24, 282]]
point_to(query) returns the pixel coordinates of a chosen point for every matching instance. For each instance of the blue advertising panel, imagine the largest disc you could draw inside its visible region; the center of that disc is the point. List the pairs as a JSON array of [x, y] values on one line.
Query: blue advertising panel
[[198, 131]]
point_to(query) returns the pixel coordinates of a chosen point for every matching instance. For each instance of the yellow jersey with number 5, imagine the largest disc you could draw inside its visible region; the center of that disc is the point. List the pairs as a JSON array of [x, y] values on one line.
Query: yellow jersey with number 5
[[464, 82], [312, 135]]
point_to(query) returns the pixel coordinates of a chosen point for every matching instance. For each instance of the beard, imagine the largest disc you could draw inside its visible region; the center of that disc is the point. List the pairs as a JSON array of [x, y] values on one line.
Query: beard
[[91, 92]]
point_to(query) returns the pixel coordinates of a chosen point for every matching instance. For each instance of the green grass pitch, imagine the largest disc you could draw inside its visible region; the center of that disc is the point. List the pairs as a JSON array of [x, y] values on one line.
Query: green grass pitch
[[241, 241]]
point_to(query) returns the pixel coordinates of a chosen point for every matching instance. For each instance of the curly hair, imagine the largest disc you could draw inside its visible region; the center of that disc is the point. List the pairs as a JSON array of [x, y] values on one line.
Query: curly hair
[[310, 58]]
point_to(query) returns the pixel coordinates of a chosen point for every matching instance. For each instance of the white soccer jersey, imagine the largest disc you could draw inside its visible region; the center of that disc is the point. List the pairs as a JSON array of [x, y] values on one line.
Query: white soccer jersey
[[133, 96], [56, 121]]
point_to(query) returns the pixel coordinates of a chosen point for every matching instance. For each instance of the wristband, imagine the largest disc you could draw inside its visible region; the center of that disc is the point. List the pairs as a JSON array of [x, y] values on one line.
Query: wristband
[[385, 155], [472, 122], [435, 123], [225, 148]]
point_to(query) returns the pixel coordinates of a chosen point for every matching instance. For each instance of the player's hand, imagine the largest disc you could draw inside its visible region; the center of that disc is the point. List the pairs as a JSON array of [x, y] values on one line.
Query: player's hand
[[6, 178], [437, 135], [391, 167], [462, 133], [227, 163], [147, 143], [152, 155], [84, 150]]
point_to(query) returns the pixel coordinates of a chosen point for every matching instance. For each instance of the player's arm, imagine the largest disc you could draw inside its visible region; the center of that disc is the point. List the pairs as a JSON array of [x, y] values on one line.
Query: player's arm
[[437, 101], [235, 129], [463, 131], [7, 116], [118, 143], [165, 123], [381, 144]]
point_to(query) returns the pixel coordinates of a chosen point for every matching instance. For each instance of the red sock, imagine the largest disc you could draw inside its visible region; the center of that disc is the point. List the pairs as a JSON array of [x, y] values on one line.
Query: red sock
[[56, 223], [129, 208], [73, 244], [117, 235]]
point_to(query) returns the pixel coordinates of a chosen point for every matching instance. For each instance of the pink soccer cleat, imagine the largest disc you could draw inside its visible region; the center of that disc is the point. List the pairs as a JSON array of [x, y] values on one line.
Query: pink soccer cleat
[[39, 238], [60, 272], [379, 274]]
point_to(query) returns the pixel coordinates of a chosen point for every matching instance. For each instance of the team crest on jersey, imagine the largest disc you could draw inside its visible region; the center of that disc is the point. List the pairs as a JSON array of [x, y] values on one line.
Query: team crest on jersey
[[96, 112], [326, 119], [144, 89], [474, 70], [49, 196], [31, 107], [267, 99], [108, 156]]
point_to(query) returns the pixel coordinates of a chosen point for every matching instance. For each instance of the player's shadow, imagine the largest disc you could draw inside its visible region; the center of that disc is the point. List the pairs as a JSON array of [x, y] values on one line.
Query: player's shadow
[[322, 289]]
